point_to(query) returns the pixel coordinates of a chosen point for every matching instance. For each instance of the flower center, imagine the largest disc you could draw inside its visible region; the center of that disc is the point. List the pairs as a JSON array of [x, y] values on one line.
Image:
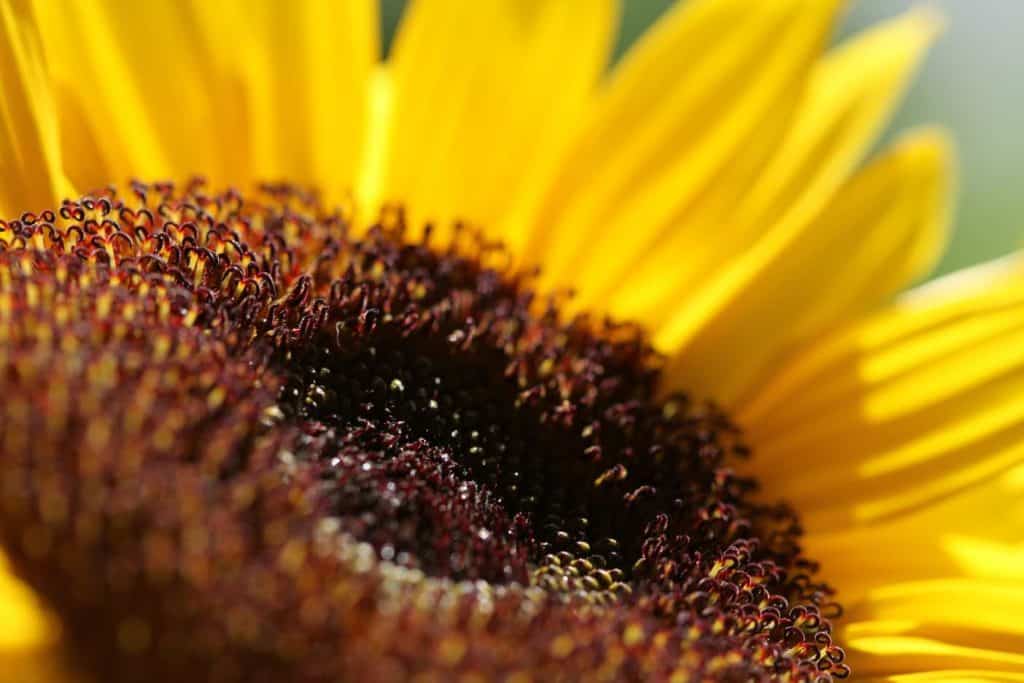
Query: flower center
[[246, 443]]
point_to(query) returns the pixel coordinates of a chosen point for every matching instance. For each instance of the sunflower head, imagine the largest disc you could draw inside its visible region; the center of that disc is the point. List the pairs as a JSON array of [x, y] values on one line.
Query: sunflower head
[[264, 445], [502, 375]]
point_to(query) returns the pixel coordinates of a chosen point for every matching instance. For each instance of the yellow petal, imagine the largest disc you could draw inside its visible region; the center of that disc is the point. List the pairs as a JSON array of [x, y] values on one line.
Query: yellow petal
[[306, 72], [376, 146], [952, 676], [931, 626], [29, 139], [36, 666], [28, 635], [702, 94], [24, 623], [110, 61], [228, 90], [928, 593], [878, 233], [484, 94], [974, 534], [907, 407], [850, 95]]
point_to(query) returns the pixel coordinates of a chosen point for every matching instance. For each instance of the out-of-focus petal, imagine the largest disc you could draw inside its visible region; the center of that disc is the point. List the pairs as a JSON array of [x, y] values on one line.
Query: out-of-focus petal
[[485, 94]]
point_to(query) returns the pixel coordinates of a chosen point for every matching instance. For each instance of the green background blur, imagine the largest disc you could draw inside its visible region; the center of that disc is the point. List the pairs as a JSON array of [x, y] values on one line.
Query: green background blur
[[972, 83]]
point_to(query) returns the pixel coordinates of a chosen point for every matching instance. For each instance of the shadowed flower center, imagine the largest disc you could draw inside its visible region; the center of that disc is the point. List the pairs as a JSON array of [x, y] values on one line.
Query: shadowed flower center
[[247, 443]]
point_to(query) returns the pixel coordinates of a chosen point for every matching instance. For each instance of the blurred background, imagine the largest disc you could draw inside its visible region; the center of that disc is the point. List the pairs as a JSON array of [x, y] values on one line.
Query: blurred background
[[972, 83]]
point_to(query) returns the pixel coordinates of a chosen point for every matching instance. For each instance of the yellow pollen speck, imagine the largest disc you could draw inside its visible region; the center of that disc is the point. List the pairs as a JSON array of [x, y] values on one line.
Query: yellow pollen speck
[[452, 649], [293, 556], [633, 635], [562, 646], [216, 397]]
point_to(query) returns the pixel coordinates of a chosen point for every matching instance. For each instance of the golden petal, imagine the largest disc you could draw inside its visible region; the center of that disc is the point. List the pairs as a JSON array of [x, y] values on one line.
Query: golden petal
[[886, 415], [711, 84], [485, 94], [29, 136], [879, 232]]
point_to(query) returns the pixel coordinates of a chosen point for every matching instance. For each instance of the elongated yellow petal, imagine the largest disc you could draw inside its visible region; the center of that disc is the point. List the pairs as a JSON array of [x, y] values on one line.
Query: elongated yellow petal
[[704, 94], [484, 94], [974, 534], [30, 168], [968, 294], [110, 60], [876, 235], [930, 626], [952, 676], [24, 623], [228, 90], [305, 67], [911, 405], [377, 145], [850, 95], [28, 636]]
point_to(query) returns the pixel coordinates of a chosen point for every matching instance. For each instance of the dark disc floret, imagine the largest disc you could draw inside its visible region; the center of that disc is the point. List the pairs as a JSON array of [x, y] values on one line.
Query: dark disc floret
[[242, 441]]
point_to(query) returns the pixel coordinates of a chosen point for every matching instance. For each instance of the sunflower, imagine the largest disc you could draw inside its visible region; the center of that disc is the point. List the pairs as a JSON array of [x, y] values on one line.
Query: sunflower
[[489, 361]]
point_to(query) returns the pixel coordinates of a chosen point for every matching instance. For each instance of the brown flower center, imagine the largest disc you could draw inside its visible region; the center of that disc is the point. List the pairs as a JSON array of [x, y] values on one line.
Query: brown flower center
[[242, 443]]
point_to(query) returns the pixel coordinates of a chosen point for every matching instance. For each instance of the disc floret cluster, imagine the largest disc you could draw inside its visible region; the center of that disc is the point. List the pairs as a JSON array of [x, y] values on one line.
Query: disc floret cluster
[[243, 440]]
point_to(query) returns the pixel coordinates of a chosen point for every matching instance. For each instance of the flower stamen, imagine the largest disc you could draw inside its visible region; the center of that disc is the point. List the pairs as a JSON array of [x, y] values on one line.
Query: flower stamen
[[246, 440]]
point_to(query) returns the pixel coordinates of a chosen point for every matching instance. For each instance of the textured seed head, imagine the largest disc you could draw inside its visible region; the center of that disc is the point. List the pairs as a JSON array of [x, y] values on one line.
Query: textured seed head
[[240, 442]]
